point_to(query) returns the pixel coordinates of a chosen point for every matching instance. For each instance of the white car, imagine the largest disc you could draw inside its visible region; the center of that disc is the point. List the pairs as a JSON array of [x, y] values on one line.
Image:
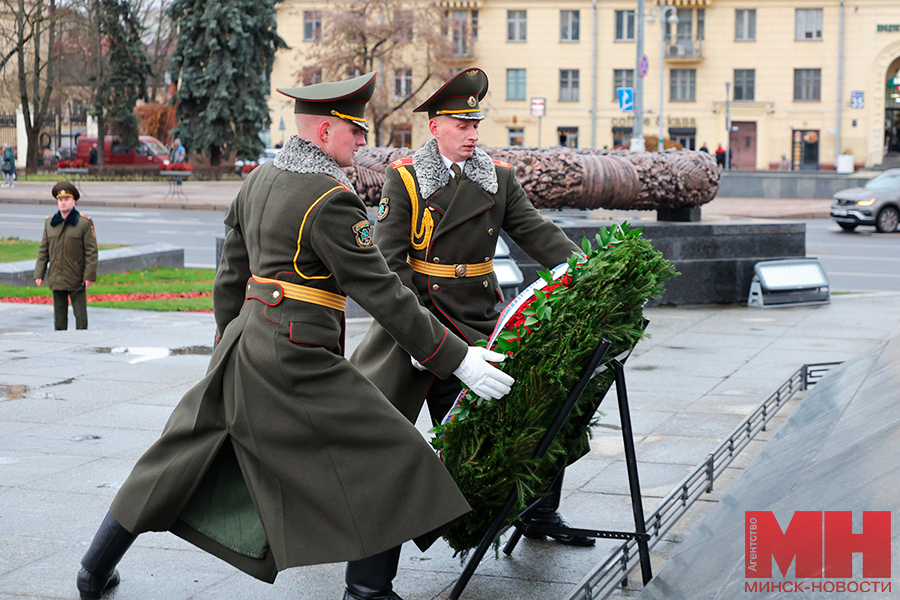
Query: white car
[[878, 204]]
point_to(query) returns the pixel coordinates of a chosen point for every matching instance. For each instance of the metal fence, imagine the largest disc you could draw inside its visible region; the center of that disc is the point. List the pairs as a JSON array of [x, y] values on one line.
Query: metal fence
[[611, 573]]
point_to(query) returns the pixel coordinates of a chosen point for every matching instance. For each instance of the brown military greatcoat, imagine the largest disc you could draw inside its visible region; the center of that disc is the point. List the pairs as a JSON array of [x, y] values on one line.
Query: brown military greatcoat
[[70, 249], [466, 220], [284, 454]]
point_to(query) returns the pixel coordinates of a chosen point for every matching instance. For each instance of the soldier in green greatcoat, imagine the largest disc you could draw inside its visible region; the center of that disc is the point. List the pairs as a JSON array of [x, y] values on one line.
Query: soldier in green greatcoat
[[438, 221], [69, 247], [284, 454]]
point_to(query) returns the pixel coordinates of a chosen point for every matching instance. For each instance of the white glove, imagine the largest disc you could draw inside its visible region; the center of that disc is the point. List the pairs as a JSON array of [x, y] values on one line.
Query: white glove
[[416, 364], [483, 378]]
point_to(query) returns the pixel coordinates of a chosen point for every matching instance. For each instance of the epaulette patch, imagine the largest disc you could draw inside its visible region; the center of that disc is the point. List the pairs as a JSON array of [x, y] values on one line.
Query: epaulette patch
[[500, 163], [402, 162]]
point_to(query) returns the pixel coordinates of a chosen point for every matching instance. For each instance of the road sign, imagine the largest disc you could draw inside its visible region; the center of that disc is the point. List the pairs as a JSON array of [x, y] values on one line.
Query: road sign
[[626, 99], [857, 100], [538, 107], [643, 65]]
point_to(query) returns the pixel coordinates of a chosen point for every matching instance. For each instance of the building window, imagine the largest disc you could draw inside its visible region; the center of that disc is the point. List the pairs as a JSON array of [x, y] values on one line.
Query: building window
[[402, 83], [809, 25], [401, 136], [515, 84], [621, 137], [311, 75], [568, 25], [808, 84], [515, 26], [459, 28], [683, 85], [568, 85], [515, 136], [701, 24], [312, 25], [474, 16], [744, 84], [745, 25], [624, 25], [568, 136], [403, 20], [622, 78]]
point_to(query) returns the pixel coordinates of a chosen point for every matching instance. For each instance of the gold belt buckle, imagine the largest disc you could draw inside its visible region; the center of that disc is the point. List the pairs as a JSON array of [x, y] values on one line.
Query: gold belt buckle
[[461, 270]]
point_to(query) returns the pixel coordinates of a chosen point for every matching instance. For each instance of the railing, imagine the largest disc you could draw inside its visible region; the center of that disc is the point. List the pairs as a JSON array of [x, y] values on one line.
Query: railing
[[685, 48], [609, 575]]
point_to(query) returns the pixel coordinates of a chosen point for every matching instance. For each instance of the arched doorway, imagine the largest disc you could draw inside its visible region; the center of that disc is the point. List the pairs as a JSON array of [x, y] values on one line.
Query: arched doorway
[[892, 110]]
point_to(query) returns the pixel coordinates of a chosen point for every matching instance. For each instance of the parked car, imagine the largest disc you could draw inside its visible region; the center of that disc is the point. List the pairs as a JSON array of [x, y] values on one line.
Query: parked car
[[149, 153], [268, 154], [878, 204], [65, 153]]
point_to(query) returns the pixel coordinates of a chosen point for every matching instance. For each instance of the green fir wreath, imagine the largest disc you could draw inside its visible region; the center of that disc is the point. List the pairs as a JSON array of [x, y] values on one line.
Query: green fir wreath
[[489, 447]]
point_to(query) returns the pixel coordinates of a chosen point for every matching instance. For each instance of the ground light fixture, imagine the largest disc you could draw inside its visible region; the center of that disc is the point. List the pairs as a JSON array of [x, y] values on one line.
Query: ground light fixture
[[791, 282]]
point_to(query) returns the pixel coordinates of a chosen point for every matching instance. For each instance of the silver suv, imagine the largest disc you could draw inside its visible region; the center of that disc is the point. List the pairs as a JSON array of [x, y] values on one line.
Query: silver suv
[[878, 204]]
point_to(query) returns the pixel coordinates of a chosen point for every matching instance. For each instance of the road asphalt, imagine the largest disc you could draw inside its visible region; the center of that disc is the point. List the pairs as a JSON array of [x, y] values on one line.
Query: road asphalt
[[77, 408]]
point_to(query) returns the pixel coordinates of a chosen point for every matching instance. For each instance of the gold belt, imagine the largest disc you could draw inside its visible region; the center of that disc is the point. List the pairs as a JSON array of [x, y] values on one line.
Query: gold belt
[[297, 292], [450, 271]]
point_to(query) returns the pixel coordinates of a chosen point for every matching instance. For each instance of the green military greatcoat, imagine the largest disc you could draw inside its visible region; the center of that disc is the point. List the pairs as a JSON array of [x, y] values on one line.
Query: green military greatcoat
[[69, 246], [284, 454], [466, 218]]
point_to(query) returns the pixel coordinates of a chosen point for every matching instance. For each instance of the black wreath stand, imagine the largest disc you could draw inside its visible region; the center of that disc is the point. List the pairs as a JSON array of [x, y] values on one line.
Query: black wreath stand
[[598, 359]]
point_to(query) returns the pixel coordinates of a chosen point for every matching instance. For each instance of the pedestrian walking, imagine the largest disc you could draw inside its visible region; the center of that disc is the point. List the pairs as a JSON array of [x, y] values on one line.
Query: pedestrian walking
[[8, 167], [67, 257]]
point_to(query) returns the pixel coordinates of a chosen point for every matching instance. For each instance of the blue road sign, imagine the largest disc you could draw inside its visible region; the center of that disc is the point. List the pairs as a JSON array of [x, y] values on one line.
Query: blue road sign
[[857, 100], [626, 99]]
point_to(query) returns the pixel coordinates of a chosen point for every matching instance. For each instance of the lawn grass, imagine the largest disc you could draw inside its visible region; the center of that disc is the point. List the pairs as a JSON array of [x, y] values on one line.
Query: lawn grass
[[13, 249]]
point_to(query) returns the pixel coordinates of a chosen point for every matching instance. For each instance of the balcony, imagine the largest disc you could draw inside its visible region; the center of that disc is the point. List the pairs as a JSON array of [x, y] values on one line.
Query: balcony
[[685, 50]]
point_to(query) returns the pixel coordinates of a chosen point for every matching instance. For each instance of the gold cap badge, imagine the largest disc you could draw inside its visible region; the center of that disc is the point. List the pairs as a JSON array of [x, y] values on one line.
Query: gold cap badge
[[471, 101]]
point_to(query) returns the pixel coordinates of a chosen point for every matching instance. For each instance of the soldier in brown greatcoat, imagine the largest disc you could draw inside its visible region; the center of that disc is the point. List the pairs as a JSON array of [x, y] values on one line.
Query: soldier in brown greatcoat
[[284, 454], [69, 245], [438, 221]]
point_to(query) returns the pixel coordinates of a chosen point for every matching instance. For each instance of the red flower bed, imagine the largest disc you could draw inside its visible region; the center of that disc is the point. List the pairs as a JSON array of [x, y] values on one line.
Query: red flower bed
[[114, 297], [179, 166]]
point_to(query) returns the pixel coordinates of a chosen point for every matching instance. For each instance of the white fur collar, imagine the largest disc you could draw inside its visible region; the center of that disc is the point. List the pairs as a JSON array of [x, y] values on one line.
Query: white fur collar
[[432, 174], [302, 156]]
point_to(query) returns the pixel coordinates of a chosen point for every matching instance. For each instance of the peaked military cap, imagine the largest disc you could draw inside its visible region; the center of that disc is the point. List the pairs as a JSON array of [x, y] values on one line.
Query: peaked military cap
[[65, 187], [458, 98], [342, 99]]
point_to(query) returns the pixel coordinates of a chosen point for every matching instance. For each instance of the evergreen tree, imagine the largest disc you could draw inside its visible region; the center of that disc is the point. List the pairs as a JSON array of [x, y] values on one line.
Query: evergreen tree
[[223, 63], [123, 70]]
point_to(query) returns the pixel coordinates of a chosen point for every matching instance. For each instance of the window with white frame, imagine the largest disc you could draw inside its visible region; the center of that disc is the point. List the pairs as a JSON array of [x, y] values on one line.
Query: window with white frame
[[808, 25], [745, 25], [622, 78], [515, 84], [516, 20], [682, 85], [312, 25], [808, 84], [459, 26], [568, 85], [744, 84], [624, 25], [402, 83], [568, 25]]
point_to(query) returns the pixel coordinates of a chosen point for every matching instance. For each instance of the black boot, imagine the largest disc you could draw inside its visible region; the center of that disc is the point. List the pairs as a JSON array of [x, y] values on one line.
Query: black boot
[[99, 563], [370, 578], [547, 514]]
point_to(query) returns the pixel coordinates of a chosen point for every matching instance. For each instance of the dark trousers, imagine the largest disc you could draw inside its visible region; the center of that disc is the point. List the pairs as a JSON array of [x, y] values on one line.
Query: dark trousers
[[61, 309], [441, 397]]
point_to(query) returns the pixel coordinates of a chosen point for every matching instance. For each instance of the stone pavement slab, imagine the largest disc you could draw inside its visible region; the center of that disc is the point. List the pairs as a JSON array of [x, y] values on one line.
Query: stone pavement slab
[[76, 412]]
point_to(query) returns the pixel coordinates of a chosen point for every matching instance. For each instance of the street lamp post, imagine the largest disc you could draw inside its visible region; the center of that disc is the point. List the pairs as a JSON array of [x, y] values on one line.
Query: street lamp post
[[667, 15]]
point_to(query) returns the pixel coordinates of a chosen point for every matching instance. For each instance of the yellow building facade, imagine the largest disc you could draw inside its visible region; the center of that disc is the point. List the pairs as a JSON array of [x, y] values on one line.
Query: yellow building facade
[[770, 67]]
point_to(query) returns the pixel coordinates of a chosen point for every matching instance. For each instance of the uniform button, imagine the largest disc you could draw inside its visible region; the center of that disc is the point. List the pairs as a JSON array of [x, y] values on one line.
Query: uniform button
[[431, 209], [487, 258], [436, 259], [491, 231], [275, 294], [248, 287], [435, 287], [484, 283]]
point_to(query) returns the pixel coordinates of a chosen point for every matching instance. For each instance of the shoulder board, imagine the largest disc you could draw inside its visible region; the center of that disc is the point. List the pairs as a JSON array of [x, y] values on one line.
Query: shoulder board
[[344, 187], [50, 217], [85, 216], [500, 163], [402, 162]]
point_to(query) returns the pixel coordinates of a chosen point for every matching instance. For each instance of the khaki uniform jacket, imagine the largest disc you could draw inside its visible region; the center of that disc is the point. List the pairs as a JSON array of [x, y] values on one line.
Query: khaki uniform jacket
[[284, 454], [467, 217], [71, 251]]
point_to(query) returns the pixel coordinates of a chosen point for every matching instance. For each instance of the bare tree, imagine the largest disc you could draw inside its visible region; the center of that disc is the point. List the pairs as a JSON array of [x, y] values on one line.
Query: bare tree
[[407, 42]]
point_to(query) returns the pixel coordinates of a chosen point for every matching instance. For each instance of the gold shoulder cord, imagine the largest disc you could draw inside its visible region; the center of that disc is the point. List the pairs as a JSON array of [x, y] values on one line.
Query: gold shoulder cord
[[427, 225]]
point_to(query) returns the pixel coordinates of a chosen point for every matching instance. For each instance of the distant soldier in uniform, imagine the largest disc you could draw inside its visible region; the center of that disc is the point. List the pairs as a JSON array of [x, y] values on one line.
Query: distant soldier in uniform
[[69, 246], [440, 215], [284, 454]]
